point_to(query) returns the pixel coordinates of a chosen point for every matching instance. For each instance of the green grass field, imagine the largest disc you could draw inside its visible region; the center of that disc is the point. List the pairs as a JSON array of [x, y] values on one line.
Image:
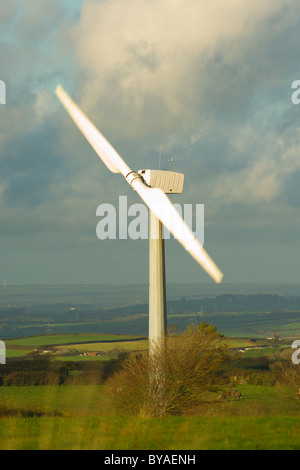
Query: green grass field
[[83, 400], [80, 343], [77, 400], [178, 433], [73, 417], [36, 341]]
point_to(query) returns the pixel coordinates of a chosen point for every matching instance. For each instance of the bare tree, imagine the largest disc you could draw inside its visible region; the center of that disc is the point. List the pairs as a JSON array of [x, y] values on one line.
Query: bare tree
[[176, 376]]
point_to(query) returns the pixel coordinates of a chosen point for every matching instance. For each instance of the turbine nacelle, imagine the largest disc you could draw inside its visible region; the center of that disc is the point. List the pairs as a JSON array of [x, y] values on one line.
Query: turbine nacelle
[[169, 182]]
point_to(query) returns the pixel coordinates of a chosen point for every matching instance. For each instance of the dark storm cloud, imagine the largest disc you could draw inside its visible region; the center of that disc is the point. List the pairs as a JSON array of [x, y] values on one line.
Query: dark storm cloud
[[29, 167]]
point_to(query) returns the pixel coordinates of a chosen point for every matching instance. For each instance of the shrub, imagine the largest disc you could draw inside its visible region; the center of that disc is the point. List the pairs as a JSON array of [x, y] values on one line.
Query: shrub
[[288, 373], [174, 378], [259, 363], [31, 378]]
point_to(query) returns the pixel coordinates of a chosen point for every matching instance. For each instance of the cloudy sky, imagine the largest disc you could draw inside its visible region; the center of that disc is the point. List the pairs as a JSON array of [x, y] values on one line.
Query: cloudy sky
[[208, 81]]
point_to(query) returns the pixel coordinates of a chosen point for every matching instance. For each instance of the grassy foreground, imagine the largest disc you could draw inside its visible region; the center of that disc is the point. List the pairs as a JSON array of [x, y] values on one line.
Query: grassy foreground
[[73, 417], [173, 433]]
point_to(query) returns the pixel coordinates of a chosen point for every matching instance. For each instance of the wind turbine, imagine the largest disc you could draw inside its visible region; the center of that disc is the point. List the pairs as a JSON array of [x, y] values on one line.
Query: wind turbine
[[151, 185]]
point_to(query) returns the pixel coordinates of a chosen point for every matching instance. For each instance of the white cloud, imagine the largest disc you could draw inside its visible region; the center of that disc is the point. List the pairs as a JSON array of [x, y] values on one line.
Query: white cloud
[[183, 71], [259, 182], [264, 177], [147, 60]]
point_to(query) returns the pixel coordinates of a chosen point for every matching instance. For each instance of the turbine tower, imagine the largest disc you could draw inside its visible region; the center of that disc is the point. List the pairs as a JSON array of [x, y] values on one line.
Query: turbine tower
[[152, 186]]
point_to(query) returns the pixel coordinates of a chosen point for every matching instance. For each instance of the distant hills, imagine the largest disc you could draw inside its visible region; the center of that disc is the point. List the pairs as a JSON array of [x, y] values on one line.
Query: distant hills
[[246, 311]]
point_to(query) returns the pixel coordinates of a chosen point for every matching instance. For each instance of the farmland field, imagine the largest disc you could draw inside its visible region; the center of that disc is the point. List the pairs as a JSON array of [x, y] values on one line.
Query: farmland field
[[37, 341], [79, 343], [63, 343]]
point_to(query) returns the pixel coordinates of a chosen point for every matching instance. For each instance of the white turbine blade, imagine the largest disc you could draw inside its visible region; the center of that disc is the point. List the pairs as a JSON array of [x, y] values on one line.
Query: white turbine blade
[[164, 210], [154, 198], [102, 147]]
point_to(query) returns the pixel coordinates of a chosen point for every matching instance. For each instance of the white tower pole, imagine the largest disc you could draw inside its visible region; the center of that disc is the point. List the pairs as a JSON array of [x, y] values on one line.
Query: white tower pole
[[157, 282]]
